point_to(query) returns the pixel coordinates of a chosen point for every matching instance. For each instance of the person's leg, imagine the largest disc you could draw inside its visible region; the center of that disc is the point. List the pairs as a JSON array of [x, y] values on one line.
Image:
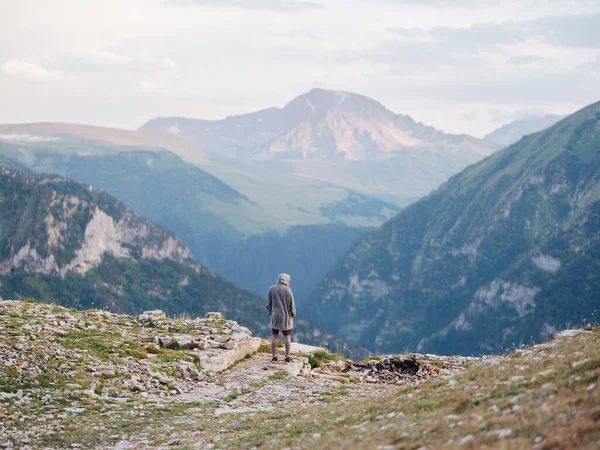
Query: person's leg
[[274, 336], [288, 343]]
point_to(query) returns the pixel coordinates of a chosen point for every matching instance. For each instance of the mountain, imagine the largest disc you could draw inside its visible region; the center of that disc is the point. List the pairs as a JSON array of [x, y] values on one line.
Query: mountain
[[66, 242], [338, 137], [78, 246], [53, 146], [236, 227], [506, 251], [511, 132]]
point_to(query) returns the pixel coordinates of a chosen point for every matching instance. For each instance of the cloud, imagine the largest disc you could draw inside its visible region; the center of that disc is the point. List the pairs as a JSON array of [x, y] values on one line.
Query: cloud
[[158, 85], [526, 59], [169, 63], [579, 31], [30, 72], [109, 61], [269, 5]]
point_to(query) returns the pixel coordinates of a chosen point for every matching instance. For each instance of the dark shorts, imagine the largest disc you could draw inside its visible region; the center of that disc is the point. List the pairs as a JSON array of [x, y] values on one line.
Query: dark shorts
[[285, 332]]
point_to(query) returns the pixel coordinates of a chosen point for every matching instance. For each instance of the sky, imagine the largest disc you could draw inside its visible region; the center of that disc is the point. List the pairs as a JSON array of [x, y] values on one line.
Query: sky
[[464, 66]]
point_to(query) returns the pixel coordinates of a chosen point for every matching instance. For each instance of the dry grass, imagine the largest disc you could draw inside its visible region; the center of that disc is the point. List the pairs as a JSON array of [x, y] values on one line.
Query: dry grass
[[543, 397]]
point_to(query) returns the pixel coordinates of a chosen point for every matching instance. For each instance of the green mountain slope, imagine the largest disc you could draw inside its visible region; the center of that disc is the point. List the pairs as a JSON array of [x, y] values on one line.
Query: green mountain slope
[[65, 242], [237, 231], [504, 252], [78, 246]]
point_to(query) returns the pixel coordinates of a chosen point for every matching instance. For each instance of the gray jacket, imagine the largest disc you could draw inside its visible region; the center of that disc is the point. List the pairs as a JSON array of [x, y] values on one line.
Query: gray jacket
[[281, 306]]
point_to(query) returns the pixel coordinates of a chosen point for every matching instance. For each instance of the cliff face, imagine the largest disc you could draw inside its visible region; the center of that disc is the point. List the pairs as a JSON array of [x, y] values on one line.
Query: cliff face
[[64, 242], [54, 226], [506, 251]]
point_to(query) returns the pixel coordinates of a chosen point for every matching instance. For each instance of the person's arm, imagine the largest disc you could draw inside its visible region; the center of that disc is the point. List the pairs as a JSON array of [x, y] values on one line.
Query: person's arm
[[269, 302], [292, 305]]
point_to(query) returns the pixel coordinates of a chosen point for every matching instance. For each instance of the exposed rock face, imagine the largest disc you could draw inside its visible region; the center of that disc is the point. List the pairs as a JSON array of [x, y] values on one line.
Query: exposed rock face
[[502, 253], [320, 124], [236, 348], [69, 243], [118, 232]]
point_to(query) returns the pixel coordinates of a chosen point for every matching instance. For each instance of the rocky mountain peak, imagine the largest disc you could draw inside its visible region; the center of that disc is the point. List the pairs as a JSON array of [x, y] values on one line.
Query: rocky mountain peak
[[322, 125], [318, 102]]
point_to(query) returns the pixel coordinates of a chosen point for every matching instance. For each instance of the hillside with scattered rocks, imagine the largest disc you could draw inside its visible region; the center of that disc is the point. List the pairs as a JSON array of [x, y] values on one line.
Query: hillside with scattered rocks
[[506, 252], [93, 379]]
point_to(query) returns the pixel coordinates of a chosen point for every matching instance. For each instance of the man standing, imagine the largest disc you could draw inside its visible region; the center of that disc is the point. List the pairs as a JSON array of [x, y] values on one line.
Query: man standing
[[282, 310]]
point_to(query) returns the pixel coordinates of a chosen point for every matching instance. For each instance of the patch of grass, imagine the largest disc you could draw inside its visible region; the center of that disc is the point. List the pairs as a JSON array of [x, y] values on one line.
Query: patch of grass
[[320, 357], [279, 375], [265, 347], [236, 394], [174, 346], [560, 408]]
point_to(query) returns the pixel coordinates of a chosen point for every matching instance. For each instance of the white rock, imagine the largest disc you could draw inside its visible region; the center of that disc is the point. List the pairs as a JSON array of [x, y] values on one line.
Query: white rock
[[580, 363], [501, 433], [464, 440]]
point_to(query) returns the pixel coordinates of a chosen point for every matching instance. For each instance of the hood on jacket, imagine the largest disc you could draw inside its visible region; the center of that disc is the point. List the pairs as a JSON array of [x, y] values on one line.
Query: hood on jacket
[[284, 279]]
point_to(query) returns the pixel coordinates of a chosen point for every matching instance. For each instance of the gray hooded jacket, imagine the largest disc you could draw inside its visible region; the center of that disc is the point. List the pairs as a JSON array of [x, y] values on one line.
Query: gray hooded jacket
[[281, 306]]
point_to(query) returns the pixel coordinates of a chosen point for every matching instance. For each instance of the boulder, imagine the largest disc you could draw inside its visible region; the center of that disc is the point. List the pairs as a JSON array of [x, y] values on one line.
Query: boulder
[[186, 342], [188, 371], [165, 341], [214, 316], [151, 318]]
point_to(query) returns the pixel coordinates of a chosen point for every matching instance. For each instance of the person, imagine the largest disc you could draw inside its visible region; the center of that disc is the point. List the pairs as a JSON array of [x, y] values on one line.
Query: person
[[282, 309]]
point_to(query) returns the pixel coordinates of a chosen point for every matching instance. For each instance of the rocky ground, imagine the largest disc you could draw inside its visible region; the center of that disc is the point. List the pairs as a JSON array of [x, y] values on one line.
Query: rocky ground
[[91, 379]]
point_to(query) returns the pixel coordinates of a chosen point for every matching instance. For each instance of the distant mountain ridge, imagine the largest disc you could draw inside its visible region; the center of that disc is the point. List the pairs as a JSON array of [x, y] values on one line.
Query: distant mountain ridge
[[225, 211], [513, 131], [320, 124], [338, 137], [506, 251]]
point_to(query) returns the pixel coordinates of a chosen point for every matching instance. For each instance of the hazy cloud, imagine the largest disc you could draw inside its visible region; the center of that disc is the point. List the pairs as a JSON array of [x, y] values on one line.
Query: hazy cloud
[[447, 64], [30, 72], [110, 61], [269, 5], [527, 59]]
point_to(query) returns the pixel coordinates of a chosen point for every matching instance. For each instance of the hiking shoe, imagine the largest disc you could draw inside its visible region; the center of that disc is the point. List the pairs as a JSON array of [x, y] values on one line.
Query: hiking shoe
[[288, 359], [274, 359]]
